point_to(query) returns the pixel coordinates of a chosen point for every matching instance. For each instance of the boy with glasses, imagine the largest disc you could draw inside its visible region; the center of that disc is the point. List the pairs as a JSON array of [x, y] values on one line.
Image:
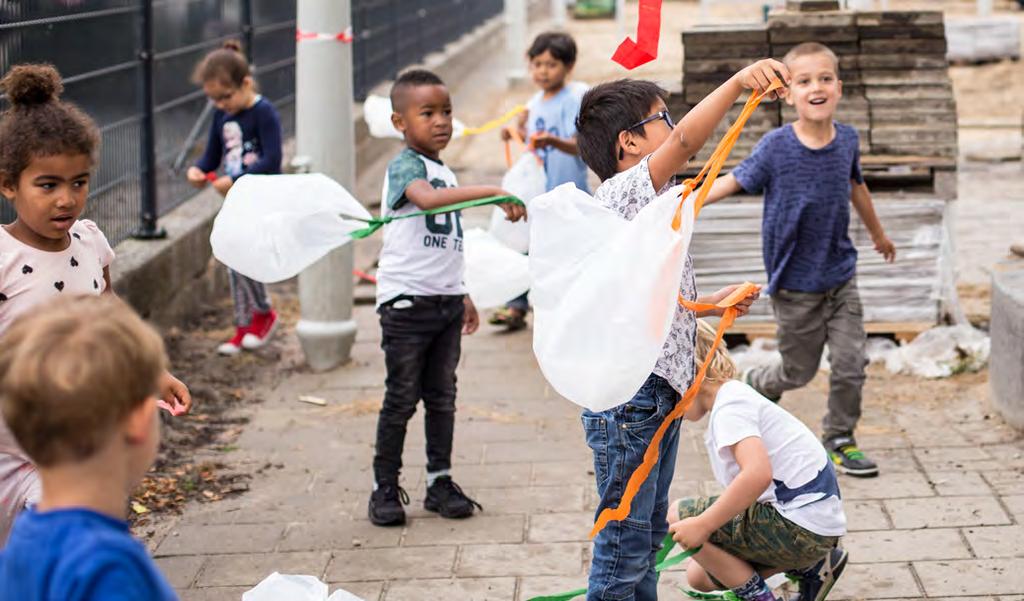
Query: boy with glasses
[[626, 136]]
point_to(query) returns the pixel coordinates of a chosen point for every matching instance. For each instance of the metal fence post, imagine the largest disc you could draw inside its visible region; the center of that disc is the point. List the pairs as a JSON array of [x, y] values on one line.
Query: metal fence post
[[324, 134], [515, 39], [148, 229], [247, 32]]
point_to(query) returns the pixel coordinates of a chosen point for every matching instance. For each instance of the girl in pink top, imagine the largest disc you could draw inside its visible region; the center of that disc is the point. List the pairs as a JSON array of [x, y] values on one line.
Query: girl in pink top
[[47, 153]]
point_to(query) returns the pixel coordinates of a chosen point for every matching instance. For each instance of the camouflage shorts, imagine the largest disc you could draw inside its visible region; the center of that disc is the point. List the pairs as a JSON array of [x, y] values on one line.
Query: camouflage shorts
[[762, 537]]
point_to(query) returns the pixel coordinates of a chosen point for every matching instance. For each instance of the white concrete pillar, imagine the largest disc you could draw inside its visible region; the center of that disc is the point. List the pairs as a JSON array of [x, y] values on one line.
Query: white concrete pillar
[[324, 135], [620, 20], [984, 8], [558, 14], [515, 39]]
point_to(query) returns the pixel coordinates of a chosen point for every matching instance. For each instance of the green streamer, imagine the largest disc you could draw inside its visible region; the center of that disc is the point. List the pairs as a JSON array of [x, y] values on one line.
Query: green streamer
[[376, 223]]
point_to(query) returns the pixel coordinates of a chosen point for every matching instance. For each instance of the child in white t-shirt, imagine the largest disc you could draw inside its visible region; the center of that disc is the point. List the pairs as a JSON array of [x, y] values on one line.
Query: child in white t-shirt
[[781, 510]]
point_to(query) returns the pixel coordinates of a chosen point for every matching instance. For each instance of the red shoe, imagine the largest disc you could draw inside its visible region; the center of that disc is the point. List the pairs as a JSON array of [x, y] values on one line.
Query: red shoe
[[234, 346], [260, 330]]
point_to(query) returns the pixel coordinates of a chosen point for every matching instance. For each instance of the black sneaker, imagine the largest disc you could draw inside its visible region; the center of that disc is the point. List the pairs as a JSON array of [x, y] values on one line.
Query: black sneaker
[[849, 459], [386, 505], [816, 582], [446, 497]]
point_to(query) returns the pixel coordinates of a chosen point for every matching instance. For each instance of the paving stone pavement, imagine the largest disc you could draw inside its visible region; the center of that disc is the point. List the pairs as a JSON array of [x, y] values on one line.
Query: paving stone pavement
[[944, 520]]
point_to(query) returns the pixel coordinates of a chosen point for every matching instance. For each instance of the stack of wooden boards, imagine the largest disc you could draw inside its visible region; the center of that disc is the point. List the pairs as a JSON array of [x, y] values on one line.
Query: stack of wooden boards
[[898, 95], [896, 87]]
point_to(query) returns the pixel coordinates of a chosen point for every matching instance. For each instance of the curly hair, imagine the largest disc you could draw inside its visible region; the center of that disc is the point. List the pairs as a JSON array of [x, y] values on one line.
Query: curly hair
[[38, 123]]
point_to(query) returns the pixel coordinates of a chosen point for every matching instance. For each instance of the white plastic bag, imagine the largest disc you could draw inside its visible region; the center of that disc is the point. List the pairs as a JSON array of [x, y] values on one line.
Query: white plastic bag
[[525, 180], [290, 587], [377, 114], [271, 227], [941, 352], [495, 274], [604, 291]]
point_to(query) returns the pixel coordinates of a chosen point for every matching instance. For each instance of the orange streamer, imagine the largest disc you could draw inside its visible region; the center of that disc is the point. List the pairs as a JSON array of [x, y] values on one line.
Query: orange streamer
[[710, 172]]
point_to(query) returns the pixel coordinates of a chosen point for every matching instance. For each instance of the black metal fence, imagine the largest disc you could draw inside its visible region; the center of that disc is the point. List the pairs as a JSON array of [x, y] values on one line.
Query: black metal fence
[[128, 64], [391, 34]]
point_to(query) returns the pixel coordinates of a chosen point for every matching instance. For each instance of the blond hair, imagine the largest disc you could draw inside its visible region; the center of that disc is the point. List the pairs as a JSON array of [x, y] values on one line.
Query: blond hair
[[71, 371], [722, 368], [809, 48]]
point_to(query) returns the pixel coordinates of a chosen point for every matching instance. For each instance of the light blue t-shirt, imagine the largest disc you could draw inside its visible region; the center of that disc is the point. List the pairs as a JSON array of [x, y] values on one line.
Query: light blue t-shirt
[[77, 555], [557, 116]]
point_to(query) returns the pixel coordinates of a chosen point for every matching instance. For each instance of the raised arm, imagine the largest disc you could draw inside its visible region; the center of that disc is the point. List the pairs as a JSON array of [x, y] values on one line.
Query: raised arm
[[723, 187], [697, 126]]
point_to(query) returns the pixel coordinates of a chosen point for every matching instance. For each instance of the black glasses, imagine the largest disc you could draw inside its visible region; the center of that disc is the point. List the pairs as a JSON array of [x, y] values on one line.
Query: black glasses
[[659, 115]]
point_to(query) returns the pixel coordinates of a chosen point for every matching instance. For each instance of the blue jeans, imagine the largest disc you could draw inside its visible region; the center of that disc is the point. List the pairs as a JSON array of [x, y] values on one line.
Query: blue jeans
[[622, 568]]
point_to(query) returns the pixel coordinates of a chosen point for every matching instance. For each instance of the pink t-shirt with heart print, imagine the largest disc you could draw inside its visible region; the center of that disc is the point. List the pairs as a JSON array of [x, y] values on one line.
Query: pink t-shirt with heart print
[[29, 276]]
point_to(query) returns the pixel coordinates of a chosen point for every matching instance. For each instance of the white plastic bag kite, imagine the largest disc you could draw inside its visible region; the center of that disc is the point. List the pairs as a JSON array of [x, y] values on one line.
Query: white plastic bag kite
[[495, 274], [604, 291], [290, 587], [525, 180], [271, 227]]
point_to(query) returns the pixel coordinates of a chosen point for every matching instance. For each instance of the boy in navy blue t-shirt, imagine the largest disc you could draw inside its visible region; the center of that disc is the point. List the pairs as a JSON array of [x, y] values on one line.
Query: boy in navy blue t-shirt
[[78, 386], [810, 173]]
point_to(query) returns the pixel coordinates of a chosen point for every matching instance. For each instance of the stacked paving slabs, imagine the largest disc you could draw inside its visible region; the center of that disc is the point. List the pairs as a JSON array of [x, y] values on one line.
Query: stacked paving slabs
[[897, 94], [896, 87]]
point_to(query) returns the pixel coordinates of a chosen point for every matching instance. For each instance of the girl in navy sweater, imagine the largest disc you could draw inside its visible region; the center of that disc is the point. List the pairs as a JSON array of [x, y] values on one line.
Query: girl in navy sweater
[[245, 137]]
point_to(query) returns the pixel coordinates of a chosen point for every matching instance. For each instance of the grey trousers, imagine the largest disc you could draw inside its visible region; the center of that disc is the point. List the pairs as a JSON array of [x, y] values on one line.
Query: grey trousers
[[249, 296], [806, 322]]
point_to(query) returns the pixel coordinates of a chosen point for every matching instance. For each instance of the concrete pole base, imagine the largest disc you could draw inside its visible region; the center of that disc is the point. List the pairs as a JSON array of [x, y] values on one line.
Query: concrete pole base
[[326, 329], [326, 344], [1006, 361]]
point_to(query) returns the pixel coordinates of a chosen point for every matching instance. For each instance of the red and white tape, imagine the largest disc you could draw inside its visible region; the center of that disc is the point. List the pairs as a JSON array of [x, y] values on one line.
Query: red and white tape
[[344, 37]]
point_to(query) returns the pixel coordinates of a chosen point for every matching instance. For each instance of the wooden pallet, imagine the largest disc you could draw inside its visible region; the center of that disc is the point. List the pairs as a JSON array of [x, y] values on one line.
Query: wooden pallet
[[901, 331]]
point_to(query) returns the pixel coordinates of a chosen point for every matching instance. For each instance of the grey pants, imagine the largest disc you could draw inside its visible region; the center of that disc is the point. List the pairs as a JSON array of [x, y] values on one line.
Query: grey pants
[[807, 321], [249, 296]]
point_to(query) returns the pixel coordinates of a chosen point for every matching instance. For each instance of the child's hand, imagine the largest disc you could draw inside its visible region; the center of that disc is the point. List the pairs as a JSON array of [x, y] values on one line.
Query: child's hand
[[196, 177], [742, 307], [543, 140], [222, 184], [470, 319], [886, 248], [175, 394], [513, 211], [690, 533], [759, 76]]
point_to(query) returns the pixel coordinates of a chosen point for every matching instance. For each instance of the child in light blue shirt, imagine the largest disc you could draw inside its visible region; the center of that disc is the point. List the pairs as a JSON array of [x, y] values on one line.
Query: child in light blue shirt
[[550, 123]]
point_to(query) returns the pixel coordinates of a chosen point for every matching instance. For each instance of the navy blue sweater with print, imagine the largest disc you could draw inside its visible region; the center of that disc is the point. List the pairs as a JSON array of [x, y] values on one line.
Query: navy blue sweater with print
[[804, 233], [246, 142]]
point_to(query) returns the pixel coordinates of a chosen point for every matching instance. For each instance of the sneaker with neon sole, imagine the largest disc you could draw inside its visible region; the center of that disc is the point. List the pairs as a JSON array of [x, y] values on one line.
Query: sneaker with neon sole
[[848, 458], [260, 330]]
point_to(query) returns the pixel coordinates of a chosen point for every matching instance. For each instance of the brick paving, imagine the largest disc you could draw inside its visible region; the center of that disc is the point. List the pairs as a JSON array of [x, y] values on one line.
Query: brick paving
[[944, 520]]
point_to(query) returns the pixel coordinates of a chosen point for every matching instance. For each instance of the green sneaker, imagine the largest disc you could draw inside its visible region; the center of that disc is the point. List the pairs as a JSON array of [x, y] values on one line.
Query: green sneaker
[[849, 459]]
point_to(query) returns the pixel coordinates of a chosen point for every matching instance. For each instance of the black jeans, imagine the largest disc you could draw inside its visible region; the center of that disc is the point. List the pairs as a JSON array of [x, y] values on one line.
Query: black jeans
[[422, 341]]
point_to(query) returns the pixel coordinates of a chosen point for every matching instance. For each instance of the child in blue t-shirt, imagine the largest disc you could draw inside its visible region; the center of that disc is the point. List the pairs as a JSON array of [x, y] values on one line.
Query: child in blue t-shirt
[[78, 384], [810, 174], [245, 137], [550, 124]]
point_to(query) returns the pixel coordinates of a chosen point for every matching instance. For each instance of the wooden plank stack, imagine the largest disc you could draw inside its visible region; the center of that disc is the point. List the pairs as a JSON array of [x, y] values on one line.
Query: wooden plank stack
[[896, 87]]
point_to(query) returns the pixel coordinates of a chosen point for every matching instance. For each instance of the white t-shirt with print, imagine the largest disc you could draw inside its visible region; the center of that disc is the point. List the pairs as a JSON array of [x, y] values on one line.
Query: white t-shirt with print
[[804, 486], [626, 193], [421, 255]]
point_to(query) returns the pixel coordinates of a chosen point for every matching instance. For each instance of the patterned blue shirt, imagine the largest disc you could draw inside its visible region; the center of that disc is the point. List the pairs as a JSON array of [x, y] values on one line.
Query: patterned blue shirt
[[557, 116], [804, 234]]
